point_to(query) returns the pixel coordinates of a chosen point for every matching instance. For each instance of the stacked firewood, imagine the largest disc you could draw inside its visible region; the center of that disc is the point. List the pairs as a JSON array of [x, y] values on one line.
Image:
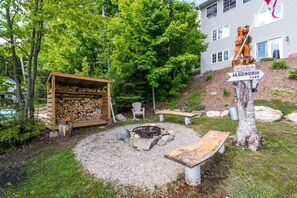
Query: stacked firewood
[[75, 109]]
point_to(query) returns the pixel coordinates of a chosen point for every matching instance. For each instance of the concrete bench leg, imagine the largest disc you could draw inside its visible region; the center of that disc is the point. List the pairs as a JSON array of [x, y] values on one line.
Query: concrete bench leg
[[188, 121], [161, 118], [193, 175], [222, 149]]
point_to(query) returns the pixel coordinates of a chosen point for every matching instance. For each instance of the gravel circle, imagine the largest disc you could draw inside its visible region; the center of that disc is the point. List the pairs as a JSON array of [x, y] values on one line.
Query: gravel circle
[[115, 161]]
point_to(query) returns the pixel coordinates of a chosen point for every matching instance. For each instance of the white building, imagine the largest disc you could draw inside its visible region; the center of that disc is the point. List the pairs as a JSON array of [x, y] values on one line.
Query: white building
[[272, 37]]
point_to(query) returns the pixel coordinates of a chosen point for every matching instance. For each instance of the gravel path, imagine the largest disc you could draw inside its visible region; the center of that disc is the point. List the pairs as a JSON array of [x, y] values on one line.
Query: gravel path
[[114, 161]]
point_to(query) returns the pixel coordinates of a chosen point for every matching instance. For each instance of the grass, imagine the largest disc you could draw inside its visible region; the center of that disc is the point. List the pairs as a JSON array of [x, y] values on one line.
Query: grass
[[270, 172], [193, 101], [59, 175], [285, 107], [282, 92]]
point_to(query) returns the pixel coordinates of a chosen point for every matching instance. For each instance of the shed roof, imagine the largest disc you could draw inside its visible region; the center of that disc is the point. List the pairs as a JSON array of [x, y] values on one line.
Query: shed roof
[[72, 79]]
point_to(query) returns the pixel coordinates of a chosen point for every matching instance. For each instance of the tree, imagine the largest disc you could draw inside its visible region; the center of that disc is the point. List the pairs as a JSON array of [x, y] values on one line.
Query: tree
[[158, 42], [9, 36], [78, 39], [23, 30]]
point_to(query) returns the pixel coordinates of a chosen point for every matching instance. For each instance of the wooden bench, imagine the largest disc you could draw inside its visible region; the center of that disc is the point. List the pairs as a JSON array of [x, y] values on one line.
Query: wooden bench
[[187, 115], [193, 155]]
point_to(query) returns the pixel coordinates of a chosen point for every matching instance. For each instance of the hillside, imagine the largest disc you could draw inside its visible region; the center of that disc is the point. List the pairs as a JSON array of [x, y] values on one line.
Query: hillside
[[274, 85]]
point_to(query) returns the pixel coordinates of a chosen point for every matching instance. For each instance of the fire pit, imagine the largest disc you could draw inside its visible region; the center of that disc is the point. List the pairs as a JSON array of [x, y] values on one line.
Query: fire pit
[[147, 131], [144, 137]]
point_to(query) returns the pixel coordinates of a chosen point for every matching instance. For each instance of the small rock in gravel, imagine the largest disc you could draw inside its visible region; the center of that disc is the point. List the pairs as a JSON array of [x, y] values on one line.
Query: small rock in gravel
[[167, 138], [122, 134], [161, 142]]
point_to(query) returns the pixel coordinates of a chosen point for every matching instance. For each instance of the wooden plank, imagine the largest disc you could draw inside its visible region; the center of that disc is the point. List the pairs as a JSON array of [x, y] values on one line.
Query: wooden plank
[[59, 74], [185, 114], [197, 153], [84, 123], [108, 101], [53, 116], [78, 93]]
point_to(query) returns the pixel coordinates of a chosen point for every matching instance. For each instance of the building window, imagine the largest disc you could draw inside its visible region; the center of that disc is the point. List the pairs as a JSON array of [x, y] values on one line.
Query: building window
[[226, 55], [244, 1], [214, 58], [228, 4], [221, 32], [270, 48], [211, 11], [265, 17], [214, 35], [220, 56]]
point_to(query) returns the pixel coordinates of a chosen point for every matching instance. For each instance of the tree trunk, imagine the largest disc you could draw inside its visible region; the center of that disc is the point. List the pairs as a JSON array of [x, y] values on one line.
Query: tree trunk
[[36, 38], [246, 131], [14, 58]]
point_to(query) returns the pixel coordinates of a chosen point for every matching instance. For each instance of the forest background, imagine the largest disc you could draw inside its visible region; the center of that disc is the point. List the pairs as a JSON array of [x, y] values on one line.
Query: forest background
[[143, 46]]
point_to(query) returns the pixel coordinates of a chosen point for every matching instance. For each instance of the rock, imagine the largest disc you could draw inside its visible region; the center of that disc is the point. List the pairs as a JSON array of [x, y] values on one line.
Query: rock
[[161, 142], [198, 113], [121, 117], [171, 132], [136, 136], [144, 144], [167, 138], [254, 141], [53, 134], [292, 117], [224, 113], [163, 131], [267, 114], [213, 114], [123, 134]]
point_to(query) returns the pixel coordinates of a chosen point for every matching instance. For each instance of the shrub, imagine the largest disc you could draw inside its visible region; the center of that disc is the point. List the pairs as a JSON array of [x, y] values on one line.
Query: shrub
[[226, 92], [13, 133], [193, 101], [293, 74], [267, 59], [279, 65], [195, 72], [209, 78]]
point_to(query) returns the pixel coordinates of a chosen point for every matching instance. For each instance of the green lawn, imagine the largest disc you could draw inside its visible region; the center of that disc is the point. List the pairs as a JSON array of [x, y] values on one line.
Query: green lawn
[[270, 172]]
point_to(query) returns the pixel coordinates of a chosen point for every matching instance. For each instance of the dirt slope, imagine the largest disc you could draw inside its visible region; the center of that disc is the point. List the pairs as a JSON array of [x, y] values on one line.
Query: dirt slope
[[215, 99]]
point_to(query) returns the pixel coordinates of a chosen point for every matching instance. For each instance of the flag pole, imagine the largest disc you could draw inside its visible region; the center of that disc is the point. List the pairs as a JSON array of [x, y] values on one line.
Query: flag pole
[[253, 24]]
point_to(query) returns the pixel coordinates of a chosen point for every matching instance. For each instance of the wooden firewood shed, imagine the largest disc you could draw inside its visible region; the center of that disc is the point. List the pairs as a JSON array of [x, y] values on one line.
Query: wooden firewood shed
[[82, 100]]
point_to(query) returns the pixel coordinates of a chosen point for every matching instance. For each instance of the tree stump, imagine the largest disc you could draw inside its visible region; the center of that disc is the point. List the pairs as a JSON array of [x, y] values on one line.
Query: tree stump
[[246, 131], [66, 129]]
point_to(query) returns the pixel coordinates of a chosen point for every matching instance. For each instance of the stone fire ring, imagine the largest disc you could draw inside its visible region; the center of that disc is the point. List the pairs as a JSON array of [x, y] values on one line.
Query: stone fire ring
[[114, 161]]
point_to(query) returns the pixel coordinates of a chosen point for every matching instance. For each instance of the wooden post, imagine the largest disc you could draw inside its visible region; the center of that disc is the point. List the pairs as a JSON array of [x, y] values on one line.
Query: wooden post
[[53, 101], [108, 103]]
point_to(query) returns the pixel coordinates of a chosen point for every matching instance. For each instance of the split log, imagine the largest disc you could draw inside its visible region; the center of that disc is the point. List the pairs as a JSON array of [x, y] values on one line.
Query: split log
[[66, 129]]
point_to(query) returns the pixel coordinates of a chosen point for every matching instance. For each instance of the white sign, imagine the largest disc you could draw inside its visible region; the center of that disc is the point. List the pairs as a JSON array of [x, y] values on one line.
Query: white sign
[[245, 75], [250, 67]]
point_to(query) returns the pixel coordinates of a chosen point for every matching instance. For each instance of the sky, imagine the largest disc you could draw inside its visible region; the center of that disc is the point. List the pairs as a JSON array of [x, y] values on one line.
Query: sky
[[195, 1]]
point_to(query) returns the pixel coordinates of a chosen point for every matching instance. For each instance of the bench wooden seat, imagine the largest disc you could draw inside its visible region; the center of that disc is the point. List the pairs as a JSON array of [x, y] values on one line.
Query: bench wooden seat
[[193, 155], [187, 115]]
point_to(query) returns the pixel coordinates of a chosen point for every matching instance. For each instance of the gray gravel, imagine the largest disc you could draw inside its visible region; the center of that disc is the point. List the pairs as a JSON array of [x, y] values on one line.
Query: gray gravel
[[116, 162]]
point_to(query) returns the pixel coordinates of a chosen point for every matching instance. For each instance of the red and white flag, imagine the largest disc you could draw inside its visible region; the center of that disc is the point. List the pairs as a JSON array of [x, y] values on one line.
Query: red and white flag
[[271, 6]]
